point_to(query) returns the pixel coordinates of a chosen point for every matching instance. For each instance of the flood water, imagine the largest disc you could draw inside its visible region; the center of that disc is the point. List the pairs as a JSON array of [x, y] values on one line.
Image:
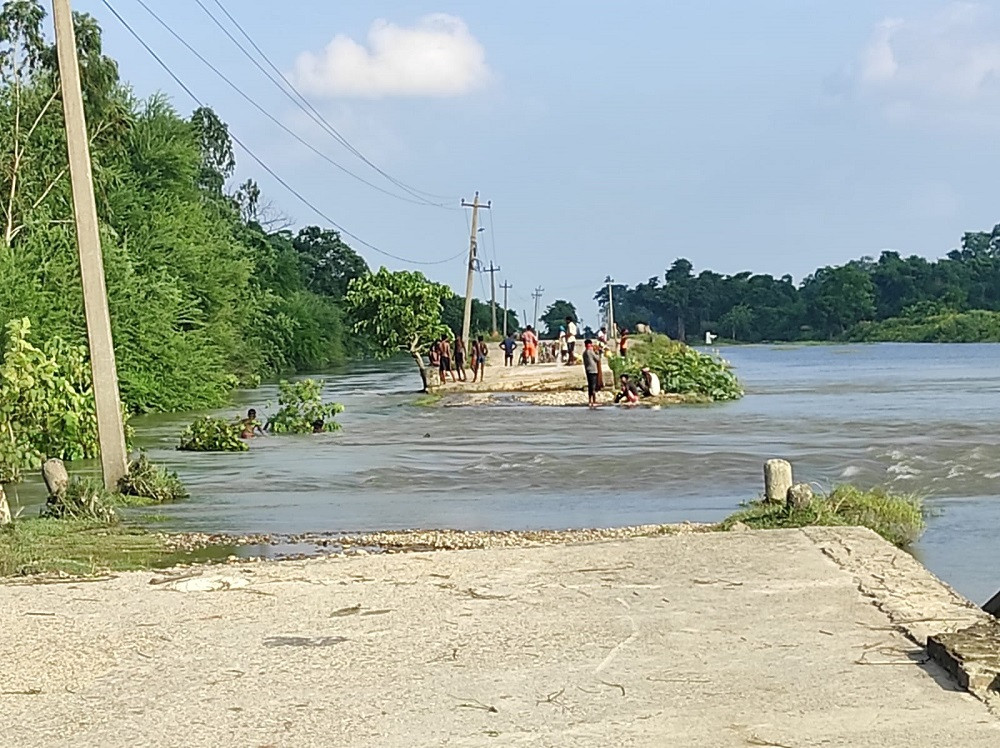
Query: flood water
[[920, 418]]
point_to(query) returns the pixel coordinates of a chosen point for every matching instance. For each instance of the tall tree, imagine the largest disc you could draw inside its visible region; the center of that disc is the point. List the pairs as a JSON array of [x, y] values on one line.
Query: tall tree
[[555, 317]]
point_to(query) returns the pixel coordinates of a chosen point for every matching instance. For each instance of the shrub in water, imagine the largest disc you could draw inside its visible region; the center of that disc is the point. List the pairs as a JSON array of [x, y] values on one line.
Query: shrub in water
[[151, 482], [681, 369], [301, 406], [209, 434]]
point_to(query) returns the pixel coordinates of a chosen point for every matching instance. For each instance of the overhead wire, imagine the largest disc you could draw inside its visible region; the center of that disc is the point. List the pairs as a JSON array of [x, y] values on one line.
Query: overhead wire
[[259, 161], [297, 98], [256, 105]]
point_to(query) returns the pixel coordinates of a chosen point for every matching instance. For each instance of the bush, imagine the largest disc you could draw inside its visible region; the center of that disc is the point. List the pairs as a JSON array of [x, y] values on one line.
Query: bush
[[84, 499], [151, 482], [681, 369], [899, 518], [209, 434], [301, 405], [46, 403]]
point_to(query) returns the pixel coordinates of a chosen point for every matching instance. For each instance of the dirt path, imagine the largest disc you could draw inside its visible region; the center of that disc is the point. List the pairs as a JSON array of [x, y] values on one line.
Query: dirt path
[[795, 638]]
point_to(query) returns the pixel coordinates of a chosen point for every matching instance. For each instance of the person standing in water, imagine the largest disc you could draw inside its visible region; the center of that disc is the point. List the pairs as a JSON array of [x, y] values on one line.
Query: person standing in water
[[592, 367], [460, 358], [250, 426]]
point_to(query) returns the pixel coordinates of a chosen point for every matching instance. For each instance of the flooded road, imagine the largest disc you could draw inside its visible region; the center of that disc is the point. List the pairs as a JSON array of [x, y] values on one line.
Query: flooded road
[[920, 418]]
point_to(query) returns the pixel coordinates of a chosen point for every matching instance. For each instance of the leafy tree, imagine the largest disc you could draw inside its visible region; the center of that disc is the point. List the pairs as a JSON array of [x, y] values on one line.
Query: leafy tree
[[327, 264], [737, 320], [555, 316], [398, 311]]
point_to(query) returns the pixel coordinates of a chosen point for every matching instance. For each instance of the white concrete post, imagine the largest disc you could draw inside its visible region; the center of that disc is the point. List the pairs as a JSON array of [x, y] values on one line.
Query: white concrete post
[[777, 480]]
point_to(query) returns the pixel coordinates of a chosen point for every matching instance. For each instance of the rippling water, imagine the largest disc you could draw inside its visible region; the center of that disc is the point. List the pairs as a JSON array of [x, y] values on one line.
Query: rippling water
[[919, 418]]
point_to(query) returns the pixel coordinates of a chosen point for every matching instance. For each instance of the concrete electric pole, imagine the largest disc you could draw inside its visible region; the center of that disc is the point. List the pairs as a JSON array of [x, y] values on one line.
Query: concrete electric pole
[[506, 287], [110, 431], [467, 317], [537, 295], [611, 308], [493, 293]]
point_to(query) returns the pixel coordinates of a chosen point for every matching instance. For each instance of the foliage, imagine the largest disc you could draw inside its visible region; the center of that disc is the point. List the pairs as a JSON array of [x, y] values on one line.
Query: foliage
[[301, 406], [46, 403], [397, 311], [976, 326], [849, 300], [899, 518], [555, 317], [209, 434], [84, 499], [148, 481], [480, 318], [681, 369]]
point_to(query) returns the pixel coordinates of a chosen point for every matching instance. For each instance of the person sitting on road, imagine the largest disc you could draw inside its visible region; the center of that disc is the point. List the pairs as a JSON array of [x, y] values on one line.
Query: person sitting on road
[[628, 393], [650, 384]]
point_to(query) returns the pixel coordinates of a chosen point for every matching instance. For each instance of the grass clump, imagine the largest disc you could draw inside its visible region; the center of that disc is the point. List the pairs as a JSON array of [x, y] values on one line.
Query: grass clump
[[209, 434], [84, 499], [681, 368], [147, 483], [899, 518]]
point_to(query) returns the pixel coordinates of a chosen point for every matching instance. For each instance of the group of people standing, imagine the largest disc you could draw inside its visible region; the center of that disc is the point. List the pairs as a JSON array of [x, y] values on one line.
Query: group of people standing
[[440, 357]]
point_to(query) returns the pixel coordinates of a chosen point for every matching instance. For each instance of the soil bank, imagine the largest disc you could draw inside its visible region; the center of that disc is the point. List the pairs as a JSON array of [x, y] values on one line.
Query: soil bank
[[794, 637]]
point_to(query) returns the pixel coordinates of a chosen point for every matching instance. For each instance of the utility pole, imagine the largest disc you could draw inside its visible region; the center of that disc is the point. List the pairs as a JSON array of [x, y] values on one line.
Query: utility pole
[[467, 317], [110, 431], [611, 307], [493, 293], [506, 287], [536, 296]]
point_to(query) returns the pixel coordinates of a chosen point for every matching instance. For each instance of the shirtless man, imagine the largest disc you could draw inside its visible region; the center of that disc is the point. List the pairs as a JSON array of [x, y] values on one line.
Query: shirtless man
[[445, 345], [479, 359], [250, 426]]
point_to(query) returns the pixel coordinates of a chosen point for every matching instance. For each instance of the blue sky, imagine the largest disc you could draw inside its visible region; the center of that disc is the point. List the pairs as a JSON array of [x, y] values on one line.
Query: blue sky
[[774, 136]]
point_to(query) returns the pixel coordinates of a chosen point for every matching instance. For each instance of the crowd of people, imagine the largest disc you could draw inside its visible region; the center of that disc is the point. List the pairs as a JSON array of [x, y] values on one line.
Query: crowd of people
[[449, 360]]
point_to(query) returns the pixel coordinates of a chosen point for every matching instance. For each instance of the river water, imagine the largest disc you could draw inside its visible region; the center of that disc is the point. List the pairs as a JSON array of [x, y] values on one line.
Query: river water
[[918, 418]]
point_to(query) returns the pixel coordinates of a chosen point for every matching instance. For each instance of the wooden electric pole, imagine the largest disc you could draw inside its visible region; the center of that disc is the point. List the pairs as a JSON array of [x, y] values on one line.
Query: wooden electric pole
[[110, 431], [536, 296], [506, 287], [493, 293], [467, 317]]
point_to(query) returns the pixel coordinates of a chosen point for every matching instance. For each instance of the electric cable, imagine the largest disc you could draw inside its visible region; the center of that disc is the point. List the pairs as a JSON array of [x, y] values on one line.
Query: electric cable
[[304, 104], [260, 162]]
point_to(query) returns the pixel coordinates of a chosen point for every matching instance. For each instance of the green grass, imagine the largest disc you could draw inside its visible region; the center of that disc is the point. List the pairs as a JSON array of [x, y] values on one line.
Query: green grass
[[899, 518], [83, 547], [429, 400]]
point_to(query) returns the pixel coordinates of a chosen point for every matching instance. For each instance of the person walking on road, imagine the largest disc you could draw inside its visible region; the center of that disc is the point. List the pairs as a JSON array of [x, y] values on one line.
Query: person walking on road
[[592, 367], [509, 345], [479, 358], [460, 358], [446, 359]]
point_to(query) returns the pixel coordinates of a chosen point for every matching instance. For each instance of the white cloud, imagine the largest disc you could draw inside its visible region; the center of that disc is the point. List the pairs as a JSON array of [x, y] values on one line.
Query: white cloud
[[949, 57], [436, 57]]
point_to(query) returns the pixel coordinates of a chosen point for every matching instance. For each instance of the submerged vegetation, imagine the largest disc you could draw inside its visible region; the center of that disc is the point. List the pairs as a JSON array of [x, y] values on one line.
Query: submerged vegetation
[[681, 369], [302, 409], [208, 434], [899, 518]]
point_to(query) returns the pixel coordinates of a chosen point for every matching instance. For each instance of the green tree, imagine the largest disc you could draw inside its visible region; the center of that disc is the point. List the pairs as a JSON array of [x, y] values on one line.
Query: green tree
[[737, 321], [840, 297], [555, 317], [327, 264], [398, 311]]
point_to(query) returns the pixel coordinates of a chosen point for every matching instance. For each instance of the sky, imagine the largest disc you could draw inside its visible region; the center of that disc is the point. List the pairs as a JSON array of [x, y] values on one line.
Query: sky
[[611, 138]]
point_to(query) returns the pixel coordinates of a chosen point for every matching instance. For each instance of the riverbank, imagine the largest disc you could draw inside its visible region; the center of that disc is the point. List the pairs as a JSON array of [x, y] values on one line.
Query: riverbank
[[539, 384], [795, 637]]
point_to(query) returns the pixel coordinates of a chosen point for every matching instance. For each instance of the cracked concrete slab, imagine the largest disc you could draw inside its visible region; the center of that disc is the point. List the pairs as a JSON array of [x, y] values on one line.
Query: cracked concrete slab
[[796, 638]]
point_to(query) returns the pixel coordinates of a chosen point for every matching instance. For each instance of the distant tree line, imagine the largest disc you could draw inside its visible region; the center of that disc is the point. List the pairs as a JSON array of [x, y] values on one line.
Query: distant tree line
[[956, 298]]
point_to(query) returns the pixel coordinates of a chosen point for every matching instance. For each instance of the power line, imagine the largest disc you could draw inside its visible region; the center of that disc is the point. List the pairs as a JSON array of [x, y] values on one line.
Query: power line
[[302, 102], [256, 105], [260, 163]]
